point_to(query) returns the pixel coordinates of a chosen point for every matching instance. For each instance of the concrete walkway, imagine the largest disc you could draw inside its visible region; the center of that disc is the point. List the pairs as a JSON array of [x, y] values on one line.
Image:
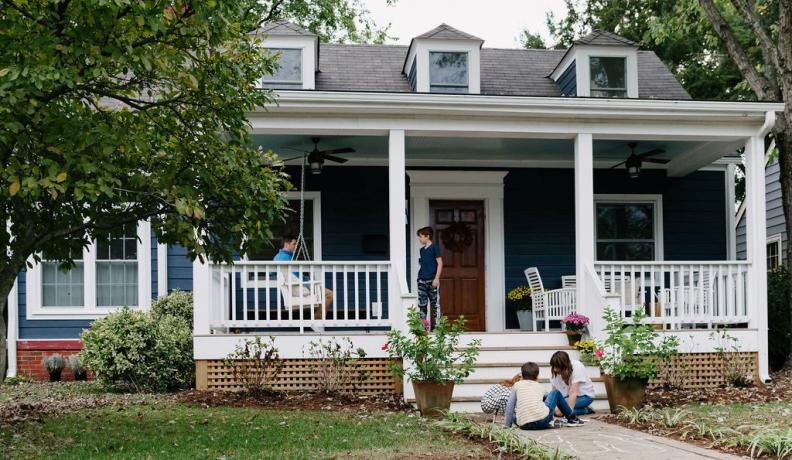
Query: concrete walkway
[[599, 440]]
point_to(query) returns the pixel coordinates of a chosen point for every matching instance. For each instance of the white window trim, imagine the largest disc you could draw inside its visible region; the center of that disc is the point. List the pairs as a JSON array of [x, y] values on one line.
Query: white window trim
[[777, 239], [316, 197], [35, 310], [656, 200]]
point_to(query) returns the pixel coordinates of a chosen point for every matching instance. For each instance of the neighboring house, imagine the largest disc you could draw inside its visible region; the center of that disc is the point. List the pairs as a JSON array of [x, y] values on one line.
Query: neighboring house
[[515, 156], [776, 226]]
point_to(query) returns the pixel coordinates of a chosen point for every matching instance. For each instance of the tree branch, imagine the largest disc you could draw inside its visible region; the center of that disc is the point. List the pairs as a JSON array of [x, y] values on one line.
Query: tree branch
[[766, 45], [760, 85], [785, 36]]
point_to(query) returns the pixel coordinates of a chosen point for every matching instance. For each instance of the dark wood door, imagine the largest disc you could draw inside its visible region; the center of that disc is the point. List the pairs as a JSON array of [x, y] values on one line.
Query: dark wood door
[[459, 230]]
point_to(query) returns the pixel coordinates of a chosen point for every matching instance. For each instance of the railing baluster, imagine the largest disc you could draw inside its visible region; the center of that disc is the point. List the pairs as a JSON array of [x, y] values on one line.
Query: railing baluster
[[346, 294], [357, 291], [366, 286], [379, 292], [233, 293]]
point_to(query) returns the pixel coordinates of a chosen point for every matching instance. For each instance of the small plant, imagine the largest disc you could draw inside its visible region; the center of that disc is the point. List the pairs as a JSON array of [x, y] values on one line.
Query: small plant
[[432, 357], [18, 380], [736, 370], [520, 297], [634, 350], [637, 415], [54, 364], [74, 364], [677, 371], [337, 367], [177, 303], [671, 417], [589, 352], [575, 322], [773, 442], [255, 364]]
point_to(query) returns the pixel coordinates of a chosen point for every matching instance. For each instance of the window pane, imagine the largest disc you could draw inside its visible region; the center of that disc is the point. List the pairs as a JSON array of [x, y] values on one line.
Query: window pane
[[61, 289], [625, 221], [289, 67], [121, 245], [625, 251], [773, 251], [607, 73], [291, 225], [116, 268], [615, 93], [448, 69]]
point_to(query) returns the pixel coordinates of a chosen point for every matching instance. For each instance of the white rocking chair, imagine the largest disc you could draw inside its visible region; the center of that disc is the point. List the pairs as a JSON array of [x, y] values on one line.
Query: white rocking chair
[[549, 305]]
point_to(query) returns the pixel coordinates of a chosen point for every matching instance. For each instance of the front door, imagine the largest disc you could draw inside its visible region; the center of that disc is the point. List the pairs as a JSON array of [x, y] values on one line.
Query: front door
[[459, 230]]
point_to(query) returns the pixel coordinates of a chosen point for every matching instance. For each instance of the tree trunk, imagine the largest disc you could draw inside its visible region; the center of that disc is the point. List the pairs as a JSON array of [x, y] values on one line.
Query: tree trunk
[[783, 138]]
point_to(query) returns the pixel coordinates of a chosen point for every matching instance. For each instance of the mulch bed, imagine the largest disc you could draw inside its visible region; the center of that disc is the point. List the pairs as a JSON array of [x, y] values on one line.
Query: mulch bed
[[779, 390], [313, 401]]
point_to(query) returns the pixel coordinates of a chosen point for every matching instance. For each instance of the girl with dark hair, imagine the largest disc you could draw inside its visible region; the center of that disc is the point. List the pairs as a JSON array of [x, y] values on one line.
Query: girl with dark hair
[[570, 378]]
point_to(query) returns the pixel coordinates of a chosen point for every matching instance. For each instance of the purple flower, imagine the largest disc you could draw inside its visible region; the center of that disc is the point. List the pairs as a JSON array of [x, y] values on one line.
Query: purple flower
[[425, 323], [575, 322]]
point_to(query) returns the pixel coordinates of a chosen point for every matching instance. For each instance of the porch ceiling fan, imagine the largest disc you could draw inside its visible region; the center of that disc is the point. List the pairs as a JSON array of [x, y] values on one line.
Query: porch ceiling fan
[[634, 162], [316, 158]]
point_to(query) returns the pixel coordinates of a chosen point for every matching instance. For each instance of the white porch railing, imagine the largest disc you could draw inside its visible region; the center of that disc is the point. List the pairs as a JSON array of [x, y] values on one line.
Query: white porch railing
[[254, 294], [680, 293]]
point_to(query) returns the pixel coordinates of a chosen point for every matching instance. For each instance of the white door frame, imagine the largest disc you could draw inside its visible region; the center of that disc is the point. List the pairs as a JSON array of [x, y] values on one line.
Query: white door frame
[[486, 186]]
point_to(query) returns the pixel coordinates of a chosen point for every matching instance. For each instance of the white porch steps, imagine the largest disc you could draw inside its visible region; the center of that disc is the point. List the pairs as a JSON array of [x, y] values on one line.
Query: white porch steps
[[501, 356]]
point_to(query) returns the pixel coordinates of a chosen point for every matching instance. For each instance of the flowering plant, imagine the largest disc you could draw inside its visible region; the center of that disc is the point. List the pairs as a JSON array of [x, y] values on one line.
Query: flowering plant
[[521, 298], [575, 322], [589, 352], [431, 357]]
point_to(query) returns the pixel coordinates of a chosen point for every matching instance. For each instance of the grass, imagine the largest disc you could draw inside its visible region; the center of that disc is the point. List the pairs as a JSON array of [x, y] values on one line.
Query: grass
[[29, 393], [753, 429], [173, 431]]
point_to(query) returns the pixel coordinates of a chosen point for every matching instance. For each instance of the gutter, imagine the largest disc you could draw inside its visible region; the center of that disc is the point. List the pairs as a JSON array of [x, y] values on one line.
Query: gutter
[[11, 339]]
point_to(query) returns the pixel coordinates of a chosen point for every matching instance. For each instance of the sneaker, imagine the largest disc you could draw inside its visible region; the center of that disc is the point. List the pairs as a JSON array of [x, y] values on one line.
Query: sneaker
[[559, 423], [574, 421]]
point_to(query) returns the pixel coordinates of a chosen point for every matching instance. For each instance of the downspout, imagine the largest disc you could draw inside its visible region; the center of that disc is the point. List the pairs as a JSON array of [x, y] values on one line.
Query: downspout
[[764, 376], [11, 340]]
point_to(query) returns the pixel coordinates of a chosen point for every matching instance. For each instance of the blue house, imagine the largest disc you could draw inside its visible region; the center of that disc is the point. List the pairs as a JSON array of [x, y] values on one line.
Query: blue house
[[592, 165]]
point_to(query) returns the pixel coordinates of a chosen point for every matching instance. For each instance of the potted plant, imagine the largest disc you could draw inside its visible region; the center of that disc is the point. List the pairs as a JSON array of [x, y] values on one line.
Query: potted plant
[[574, 326], [75, 366], [590, 354], [432, 362], [54, 365], [520, 297], [630, 358]]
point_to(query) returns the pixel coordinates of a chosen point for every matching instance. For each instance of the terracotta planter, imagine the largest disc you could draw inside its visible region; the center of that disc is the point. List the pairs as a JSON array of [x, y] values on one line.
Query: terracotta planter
[[432, 398], [628, 393], [525, 318], [574, 336]]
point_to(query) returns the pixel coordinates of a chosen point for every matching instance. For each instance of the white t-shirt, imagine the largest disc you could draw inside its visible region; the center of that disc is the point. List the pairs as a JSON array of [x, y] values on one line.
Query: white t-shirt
[[579, 374]]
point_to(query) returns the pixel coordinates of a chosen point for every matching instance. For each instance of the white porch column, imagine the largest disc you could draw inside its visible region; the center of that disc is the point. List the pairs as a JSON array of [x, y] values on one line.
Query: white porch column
[[396, 222], [202, 297], [756, 245], [584, 220], [13, 330]]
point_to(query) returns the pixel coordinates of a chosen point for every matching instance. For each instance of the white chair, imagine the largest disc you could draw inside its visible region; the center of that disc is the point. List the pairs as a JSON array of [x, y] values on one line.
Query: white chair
[[568, 281], [298, 295], [549, 305]]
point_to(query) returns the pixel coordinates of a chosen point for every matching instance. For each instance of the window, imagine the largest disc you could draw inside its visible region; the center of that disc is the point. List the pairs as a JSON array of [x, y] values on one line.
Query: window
[[117, 269], [289, 72], [113, 272], [291, 225], [628, 229], [774, 252], [608, 76], [448, 72]]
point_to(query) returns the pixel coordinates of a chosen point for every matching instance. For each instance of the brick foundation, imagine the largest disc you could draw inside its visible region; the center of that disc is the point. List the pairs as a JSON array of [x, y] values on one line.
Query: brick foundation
[[30, 353]]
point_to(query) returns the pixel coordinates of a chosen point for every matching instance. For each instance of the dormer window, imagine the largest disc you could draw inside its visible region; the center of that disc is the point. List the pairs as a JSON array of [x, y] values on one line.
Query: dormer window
[[608, 76], [289, 72], [448, 72]]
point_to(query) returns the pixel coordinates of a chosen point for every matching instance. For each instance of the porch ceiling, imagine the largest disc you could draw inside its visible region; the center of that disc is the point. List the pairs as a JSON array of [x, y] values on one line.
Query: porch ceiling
[[685, 155]]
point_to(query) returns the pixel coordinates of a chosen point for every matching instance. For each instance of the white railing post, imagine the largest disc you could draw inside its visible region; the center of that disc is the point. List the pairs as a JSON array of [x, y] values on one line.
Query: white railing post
[[202, 298], [756, 241], [397, 225], [584, 217]]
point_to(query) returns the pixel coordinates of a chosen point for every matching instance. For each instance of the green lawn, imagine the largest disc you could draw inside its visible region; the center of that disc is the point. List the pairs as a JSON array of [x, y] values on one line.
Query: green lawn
[[171, 430]]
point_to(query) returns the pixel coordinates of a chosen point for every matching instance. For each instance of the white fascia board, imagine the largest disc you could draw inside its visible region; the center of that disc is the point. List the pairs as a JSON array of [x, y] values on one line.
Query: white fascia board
[[310, 54]]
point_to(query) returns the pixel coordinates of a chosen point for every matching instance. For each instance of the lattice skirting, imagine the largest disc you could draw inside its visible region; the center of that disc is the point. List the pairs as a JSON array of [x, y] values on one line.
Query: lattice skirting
[[298, 375], [706, 370]]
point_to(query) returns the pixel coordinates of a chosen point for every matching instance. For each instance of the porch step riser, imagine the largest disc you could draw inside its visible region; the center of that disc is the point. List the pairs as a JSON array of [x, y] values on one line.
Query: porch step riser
[[507, 372], [521, 356], [477, 390], [553, 339], [599, 405]]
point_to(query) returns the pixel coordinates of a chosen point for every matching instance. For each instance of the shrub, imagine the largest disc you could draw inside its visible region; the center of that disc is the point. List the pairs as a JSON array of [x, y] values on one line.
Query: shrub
[[177, 303], [133, 348], [255, 364], [53, 363], [736, 370], [337, 367], [779, 317]]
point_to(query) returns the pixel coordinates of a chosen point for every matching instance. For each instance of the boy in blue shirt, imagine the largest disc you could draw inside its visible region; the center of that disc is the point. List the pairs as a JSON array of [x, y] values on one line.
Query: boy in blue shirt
[[431, 266]]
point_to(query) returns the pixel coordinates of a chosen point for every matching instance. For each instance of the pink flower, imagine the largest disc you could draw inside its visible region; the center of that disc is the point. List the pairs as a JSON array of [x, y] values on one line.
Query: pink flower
[[426, 323], [599, 353], [385, 347]]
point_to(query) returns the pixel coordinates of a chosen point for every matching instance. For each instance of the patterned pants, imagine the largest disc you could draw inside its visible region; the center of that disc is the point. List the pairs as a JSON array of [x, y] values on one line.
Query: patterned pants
[[429, 296]]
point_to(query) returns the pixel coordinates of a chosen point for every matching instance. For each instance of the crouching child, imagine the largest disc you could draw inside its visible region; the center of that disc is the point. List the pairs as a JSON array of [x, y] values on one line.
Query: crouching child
[[526, 408]]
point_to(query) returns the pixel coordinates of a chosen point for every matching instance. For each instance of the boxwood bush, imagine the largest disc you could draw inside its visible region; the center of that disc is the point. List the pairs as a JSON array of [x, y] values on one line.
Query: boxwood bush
[[134, 348], [779, 318], [177, 303]]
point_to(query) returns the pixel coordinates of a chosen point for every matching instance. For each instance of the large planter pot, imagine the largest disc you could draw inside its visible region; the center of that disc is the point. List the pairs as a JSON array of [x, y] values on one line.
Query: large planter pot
[[525, 318], [624, 393], [433, 398], [55, 376], [574, 336]]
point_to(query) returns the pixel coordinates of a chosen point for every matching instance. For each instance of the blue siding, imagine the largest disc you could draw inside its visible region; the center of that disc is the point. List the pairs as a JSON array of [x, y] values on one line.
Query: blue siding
[[567, 82], [179, 269], [412, 78], [774, 214], [539, 218]]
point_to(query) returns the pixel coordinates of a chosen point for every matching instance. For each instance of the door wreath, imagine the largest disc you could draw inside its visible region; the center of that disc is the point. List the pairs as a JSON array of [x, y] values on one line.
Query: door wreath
[[457, 237]]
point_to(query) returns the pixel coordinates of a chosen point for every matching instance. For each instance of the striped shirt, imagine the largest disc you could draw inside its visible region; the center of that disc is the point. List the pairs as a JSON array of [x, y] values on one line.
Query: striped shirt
[[530, 406]]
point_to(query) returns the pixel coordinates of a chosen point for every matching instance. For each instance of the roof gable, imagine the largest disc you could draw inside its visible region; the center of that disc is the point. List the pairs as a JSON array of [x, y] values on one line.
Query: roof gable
[[599, 37], [446, 32], [283, 27]]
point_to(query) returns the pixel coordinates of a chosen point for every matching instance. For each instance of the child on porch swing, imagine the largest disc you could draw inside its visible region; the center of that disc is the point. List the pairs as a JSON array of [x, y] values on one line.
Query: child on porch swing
[[431, 266]]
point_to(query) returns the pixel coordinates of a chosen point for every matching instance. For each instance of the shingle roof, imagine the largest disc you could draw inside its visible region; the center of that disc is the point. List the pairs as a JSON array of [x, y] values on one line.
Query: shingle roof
[[601, 37], [444, 31], [283, 27], [505, 72]]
